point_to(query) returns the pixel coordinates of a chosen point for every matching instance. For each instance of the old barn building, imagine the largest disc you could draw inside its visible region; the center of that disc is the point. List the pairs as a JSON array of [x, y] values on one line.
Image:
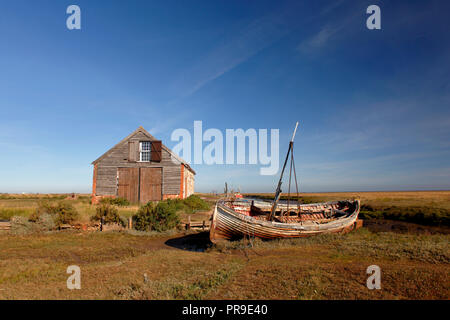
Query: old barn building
[[140, 168]]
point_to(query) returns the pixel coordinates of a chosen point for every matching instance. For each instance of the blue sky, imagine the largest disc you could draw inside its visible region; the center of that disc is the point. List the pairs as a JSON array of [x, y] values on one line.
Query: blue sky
[[373, 105]]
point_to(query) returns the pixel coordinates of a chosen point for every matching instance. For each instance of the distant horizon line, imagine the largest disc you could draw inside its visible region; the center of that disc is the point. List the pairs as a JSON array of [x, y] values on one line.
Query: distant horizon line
[[255, 192]]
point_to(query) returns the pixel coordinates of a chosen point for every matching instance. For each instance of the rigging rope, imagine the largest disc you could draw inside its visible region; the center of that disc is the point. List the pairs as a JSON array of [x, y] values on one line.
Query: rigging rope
[[296, 184], [292, 168]]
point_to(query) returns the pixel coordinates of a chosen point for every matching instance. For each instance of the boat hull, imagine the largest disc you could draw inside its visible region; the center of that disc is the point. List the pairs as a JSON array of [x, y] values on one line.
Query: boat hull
[[228, 224]]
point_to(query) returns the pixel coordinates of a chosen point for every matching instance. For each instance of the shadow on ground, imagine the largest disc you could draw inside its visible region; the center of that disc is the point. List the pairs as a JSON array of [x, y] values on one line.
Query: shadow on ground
[[198, 242]]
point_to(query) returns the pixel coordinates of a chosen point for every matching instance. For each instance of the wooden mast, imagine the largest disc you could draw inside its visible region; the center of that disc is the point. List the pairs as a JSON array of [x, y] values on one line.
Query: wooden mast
[[278, 191]]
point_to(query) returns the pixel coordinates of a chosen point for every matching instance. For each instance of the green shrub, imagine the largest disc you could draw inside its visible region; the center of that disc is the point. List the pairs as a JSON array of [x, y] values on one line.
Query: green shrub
[[161, 217], [120, 202], [109, 213], [166, 217], [46, 222], [65, 213], [43, 207], [144, 217], [62, 212], [195, 203], [21, 226], [177, 204]]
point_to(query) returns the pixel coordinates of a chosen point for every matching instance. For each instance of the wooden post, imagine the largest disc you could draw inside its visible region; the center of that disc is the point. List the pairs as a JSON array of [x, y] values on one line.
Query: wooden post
[[6, 226], [188, 226], [130, 223], [204, 225]]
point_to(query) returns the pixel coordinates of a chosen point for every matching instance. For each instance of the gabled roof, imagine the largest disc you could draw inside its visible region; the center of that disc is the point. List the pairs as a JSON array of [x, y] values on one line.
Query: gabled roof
[[145, 132]]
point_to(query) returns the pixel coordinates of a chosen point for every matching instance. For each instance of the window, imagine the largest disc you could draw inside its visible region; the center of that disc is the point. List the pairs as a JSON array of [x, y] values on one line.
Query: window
[[144, 151]]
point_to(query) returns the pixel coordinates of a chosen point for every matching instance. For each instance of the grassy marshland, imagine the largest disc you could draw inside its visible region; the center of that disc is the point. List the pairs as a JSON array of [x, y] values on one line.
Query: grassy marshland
[[186, 266], [326, 267]]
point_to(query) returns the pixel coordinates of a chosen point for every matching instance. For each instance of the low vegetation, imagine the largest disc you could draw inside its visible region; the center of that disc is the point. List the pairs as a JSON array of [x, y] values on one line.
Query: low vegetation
[[149, 264], [46, 217], [122, 265], [120, 202], [8, 213], [62, 212], [190, 205], [22, 226], [72, 209], [109, 213], [166, 214], [362, 243], [194, 203], [420, 215], [160, 217], [7, 196]]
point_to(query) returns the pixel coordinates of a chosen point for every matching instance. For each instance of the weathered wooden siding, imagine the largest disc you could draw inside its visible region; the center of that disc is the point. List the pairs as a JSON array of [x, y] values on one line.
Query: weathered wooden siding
[[150, 184], [106, 182], [128, 186]]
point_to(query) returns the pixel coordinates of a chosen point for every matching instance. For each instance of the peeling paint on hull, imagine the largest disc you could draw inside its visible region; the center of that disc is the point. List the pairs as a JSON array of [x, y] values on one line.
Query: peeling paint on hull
[[227, 224]]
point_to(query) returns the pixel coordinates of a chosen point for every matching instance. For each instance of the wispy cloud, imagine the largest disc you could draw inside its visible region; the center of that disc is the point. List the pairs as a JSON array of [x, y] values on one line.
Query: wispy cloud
[[246, 41], [318, 40], [338, 25]]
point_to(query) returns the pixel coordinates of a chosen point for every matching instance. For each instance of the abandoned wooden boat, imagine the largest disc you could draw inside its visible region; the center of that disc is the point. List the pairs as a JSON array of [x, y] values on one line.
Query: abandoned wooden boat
[[236, 218]]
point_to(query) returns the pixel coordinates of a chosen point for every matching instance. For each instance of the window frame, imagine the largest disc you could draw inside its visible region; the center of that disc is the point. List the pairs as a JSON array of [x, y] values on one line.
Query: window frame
[[149, 151]]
